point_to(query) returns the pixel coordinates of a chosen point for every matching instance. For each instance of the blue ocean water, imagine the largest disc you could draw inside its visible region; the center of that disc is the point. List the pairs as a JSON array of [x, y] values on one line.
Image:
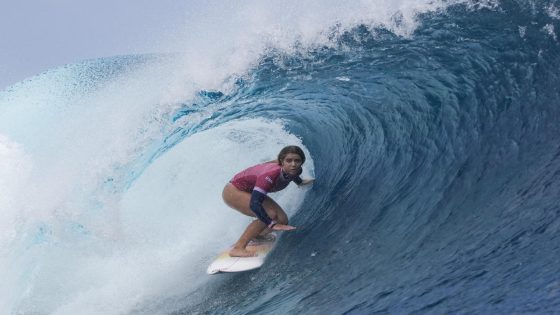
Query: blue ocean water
[[435, 153]]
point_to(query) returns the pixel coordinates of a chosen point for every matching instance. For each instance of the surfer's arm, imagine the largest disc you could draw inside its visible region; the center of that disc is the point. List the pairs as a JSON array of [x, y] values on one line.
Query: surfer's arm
[[257, 199], [303, 182]]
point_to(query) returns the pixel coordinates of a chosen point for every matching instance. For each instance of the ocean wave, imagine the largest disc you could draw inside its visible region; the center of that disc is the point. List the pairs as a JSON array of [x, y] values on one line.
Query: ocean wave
[[431, 129]]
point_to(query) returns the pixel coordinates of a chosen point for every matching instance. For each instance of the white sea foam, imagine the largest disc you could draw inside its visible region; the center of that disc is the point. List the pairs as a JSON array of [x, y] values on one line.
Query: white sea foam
[[166, 227]]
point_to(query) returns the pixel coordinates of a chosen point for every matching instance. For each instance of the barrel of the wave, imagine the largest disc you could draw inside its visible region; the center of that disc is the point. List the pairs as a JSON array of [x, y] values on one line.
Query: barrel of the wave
[[247, 193]]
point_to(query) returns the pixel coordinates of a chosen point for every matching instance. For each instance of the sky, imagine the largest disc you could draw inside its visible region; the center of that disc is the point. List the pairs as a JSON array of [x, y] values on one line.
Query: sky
[[37, 35]]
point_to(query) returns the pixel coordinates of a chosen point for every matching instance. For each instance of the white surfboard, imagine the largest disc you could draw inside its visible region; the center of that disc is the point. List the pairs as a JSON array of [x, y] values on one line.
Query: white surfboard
[[225, 263]]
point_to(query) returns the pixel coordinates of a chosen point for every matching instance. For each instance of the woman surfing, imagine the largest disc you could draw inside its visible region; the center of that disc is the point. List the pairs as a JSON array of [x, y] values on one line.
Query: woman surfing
[[247, 193]]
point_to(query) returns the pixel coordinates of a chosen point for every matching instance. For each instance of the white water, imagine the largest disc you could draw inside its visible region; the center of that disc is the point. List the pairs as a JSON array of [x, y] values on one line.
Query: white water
[[74, 238], [157, 238]]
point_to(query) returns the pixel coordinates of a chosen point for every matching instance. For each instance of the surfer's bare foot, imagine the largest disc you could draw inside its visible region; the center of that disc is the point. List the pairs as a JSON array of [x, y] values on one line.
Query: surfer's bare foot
[[241, 252]]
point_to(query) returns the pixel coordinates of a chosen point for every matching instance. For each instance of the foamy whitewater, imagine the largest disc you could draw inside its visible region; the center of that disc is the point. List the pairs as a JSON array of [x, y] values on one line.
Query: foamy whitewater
[[431, 128]]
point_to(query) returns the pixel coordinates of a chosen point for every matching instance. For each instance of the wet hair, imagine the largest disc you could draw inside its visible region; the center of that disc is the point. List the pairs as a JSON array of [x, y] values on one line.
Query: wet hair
[[291, 149]]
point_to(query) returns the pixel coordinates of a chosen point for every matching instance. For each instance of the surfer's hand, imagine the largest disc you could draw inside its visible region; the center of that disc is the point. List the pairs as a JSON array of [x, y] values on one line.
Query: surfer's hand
[[283, 227], [307, 181]]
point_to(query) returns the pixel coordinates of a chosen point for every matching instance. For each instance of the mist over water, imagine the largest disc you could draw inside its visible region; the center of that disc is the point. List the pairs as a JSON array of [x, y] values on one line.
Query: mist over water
[[430, 127]]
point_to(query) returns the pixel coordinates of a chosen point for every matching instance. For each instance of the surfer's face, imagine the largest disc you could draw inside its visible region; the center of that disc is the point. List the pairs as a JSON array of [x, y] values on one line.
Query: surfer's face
[[291, 164]]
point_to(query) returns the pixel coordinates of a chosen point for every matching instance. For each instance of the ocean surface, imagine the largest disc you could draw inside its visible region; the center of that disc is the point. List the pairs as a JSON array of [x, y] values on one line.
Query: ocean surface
[[432, 129]]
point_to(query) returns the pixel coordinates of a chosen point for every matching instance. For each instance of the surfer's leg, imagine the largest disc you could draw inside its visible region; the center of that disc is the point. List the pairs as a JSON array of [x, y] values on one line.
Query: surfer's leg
[[279, 215], [273, 208], [240, 200], [252, 230], [258, 228], [237, 199]]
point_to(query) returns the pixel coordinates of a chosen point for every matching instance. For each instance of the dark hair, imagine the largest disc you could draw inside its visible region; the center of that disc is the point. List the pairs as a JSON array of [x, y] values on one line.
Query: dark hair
[[291, 149]]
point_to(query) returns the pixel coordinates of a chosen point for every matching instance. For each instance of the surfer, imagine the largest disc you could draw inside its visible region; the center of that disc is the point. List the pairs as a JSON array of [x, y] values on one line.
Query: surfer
[[247, 193]]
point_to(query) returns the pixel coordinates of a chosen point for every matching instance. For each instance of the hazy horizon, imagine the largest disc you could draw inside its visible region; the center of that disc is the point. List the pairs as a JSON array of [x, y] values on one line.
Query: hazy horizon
[[48, 34]]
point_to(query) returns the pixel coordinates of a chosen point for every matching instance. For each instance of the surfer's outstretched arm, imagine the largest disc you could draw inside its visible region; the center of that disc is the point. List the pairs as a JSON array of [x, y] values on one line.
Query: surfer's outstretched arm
[[305, 182], [256, 206]]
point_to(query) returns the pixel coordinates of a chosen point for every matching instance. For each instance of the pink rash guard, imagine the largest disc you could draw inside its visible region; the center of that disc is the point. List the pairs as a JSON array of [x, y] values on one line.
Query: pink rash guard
[[264, 178]]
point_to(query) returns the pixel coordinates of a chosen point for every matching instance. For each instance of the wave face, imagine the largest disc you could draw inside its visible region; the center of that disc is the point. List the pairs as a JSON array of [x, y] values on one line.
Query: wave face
[[433, 140]]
